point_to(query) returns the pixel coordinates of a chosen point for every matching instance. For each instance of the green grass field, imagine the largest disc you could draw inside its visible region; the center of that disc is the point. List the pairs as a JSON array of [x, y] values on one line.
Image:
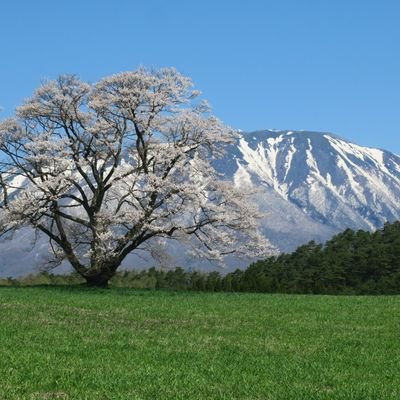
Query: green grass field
[[75, 343]]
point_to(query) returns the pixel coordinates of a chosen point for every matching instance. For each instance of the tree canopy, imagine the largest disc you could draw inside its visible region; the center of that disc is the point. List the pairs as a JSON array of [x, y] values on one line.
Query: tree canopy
[[121, 165]]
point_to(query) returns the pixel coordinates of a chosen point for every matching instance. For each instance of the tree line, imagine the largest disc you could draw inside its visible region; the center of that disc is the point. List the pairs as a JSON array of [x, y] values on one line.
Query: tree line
[[352, 262]]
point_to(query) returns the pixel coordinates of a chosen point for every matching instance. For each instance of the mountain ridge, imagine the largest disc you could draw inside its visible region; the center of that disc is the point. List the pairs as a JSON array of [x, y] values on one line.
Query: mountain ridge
[[310, 185]]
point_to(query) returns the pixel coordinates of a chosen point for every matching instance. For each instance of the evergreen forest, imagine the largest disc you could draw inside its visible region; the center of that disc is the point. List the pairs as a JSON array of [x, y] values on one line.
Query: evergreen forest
[[352, 262]]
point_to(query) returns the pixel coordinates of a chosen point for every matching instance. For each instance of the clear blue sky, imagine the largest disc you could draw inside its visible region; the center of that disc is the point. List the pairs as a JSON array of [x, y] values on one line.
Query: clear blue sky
[[330, 65]]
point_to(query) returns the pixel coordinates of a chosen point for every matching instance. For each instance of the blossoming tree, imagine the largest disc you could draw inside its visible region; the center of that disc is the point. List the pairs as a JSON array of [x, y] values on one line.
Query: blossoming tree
[[119, 166]]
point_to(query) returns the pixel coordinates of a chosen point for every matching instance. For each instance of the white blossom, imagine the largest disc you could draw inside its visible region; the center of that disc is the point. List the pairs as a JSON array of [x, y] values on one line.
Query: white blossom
[[121, 165]]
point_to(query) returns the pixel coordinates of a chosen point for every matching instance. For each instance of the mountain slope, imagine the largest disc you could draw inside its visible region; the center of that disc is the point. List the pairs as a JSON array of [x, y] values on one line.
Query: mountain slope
[[328, 181]]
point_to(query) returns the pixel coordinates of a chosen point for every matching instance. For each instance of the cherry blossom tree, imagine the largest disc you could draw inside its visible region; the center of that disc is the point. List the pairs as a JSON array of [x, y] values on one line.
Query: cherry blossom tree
[[121, 166]]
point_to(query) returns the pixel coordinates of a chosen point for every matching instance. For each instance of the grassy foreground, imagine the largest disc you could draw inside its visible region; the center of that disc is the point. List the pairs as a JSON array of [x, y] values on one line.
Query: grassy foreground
[[75, 343]]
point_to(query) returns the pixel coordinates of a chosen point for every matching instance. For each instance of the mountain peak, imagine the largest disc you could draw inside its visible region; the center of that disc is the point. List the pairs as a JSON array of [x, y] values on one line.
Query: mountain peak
[[264, 134], [331, 181]]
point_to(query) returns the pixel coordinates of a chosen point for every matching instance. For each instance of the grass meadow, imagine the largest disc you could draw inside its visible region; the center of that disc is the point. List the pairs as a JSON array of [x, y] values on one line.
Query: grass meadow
[[77, 343]]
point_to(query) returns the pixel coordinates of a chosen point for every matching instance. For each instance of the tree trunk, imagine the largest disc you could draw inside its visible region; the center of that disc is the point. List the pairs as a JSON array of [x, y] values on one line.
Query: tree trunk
[[100, 277], [100, 280], [100, 273]]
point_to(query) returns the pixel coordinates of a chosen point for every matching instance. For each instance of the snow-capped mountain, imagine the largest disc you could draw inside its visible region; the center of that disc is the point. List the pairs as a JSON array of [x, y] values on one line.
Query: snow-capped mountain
[[314, 184], [310, 185]]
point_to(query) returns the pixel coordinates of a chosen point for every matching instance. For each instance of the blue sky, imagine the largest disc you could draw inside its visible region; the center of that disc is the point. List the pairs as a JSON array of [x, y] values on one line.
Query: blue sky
[[328, 65]]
